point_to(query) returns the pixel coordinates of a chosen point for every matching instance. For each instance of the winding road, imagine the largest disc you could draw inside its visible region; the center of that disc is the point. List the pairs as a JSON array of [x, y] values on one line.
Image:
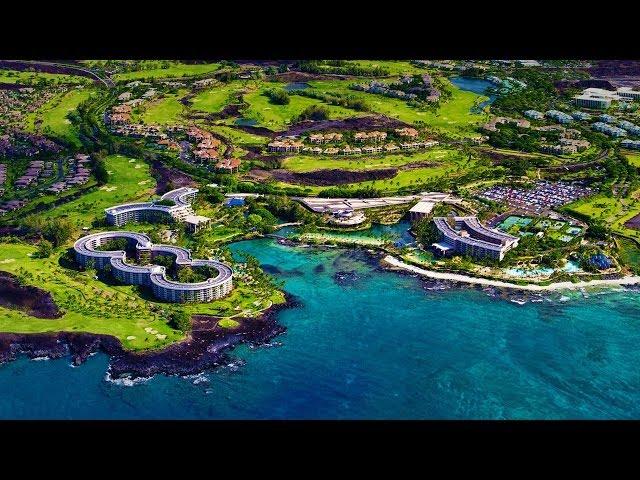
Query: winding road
[[107, 82]]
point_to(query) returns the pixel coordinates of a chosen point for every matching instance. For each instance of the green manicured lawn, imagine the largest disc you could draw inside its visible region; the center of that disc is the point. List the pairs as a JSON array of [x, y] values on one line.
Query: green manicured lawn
[[54, 115], [228, 323], [634, 158], [598, 207], [47, 199], [15, 76], [612, 211], [164, 111], [278, 117], [307, 163], [91, 305], [244, 301], [454, 116], [406, 178], [238, 137], [452, 164], [216, 98], [222, 233], [129, 180], [420, 257], [176, 70], [629, 252]]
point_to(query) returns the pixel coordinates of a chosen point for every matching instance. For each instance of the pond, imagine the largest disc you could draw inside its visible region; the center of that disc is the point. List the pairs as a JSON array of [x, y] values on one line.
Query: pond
[[476, 85], [398, 233], [246, 122], [293, 86]]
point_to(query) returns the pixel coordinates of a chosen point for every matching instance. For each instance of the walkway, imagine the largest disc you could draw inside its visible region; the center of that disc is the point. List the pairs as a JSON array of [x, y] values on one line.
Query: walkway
[[290, 224]]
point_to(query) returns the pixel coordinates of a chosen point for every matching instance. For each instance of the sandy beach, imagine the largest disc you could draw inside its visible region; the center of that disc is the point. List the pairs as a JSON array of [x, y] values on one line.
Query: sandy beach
[[394, 262]]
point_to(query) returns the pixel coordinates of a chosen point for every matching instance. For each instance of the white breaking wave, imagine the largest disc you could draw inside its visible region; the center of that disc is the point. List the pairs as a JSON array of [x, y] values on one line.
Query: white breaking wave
[[126, 381]]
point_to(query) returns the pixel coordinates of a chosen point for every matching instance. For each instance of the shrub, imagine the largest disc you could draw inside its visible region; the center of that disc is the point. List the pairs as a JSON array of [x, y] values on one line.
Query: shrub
[[45, 248], [314, 112]]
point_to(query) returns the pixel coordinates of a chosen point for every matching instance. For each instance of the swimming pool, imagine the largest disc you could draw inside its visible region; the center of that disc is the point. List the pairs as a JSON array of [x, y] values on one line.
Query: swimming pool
[[569, 267]]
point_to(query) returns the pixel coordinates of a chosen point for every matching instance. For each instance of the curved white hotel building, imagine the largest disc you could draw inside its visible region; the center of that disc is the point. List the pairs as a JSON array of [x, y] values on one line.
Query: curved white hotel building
[[468, 236], [152, 211], [151, 275]]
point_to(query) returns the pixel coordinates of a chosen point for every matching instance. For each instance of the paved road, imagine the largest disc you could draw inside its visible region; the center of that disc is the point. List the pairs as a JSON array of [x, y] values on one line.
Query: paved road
[[105, 81]]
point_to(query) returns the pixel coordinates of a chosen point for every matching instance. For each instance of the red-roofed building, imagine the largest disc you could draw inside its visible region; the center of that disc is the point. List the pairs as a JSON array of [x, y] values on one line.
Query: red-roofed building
[[229, 164]]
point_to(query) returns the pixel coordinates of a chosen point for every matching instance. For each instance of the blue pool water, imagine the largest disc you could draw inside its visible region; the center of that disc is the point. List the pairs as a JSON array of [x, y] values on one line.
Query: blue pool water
[[475, 85], [398, 233], [290, 87], [378, 347], [569, 267]]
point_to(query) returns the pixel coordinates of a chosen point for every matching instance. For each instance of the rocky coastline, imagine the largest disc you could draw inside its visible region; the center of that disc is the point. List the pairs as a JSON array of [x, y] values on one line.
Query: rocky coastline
[[205, 348], [29, 299]]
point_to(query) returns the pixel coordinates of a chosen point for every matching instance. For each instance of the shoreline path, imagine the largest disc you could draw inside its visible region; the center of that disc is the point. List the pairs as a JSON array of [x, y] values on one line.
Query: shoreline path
[[394, 262]]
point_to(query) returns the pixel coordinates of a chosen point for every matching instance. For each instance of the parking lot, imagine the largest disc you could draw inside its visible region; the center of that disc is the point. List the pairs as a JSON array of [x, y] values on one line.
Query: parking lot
[[544, 196]]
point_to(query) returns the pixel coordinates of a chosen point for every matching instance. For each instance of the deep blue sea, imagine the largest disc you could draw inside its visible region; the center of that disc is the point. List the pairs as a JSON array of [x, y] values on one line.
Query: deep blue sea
[[377, 345]]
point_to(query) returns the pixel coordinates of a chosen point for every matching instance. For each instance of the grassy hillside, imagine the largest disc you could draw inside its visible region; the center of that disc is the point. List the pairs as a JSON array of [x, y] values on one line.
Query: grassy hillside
[[307, 163], [176, 70], [129, 179], [454, 116], [53, 115]]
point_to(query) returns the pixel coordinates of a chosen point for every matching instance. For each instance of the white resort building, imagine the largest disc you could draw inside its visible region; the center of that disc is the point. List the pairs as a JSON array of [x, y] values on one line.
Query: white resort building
[[601, 98], [467, 236], [150, 275], [155, 211]]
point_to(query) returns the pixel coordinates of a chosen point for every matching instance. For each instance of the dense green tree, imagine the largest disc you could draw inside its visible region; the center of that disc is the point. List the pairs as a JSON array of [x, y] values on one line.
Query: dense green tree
[[190, 275], [213, 195], [115, 244], [100, 171], [278, 96], [363, 192], [56, 230], [314, 112], [180, 320], [426, 231]]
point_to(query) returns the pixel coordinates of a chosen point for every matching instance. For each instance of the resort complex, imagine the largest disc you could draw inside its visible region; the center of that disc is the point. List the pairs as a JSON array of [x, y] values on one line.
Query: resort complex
[[467, 236], [163, 212], [147, 274]]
